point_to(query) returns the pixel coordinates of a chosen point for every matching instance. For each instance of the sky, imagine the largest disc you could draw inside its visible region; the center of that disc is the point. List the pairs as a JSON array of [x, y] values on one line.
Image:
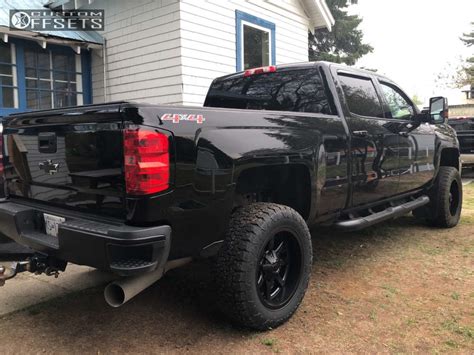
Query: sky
[[414, 40]]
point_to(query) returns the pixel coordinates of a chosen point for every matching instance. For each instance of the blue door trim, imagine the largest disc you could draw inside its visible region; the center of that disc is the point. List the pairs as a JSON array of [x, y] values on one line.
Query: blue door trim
[[243, 16], [20, 76], [86, 77]]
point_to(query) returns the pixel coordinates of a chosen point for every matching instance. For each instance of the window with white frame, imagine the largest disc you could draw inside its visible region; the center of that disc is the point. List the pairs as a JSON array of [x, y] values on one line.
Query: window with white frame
[[255, 41], [8, 78], [53, 79], [256, 46], [34, 78]]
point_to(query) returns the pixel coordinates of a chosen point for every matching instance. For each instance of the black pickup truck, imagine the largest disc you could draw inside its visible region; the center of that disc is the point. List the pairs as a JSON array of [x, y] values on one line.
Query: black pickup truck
[[464, 127], [139, 189]]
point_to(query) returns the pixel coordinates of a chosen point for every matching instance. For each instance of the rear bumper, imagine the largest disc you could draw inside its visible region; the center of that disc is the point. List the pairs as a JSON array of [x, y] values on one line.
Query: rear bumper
[[122, 249]]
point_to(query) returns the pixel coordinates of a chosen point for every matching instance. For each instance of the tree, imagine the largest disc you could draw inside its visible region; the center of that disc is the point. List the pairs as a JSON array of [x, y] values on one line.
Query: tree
[[344, 44], [468, 38], [453, 75], [468, 67]]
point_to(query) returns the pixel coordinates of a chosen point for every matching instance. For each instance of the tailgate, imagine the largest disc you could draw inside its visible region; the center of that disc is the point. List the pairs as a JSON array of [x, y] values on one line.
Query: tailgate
[[68, 158]]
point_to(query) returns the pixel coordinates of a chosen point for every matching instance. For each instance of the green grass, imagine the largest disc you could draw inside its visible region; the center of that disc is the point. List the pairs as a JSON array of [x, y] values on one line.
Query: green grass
[[468, 194], [269, 342], [467, 216], [453, 326], [427, 249], [452, 344], [455, 296], [392, 290]]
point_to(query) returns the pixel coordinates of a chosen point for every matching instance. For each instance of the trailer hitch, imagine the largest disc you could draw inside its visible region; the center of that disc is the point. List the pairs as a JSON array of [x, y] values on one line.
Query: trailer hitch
[[37, 264], [15, 268]]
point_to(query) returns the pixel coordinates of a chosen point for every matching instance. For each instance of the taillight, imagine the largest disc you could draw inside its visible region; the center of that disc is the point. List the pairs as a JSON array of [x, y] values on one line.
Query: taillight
[[146, 161], [261, 70]]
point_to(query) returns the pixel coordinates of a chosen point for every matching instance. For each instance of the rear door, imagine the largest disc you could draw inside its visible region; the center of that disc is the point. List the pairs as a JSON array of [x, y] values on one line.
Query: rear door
[[417, 147], [69, 158], [374, 142]]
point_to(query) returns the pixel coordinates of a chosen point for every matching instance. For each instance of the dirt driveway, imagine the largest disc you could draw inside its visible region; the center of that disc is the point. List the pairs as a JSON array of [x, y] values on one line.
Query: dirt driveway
[[399, 287]]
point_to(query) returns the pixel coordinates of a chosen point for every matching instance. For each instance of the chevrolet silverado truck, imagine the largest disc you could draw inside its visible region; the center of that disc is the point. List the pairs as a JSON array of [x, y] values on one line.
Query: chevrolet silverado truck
[[139, 189]]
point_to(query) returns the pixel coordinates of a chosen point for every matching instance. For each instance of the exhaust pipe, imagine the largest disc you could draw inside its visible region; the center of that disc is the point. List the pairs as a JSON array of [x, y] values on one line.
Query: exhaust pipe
[[121, 291]]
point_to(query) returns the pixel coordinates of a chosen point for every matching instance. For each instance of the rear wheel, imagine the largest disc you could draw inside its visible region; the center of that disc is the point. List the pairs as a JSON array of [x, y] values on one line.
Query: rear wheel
[[263, 268], [445, 207]]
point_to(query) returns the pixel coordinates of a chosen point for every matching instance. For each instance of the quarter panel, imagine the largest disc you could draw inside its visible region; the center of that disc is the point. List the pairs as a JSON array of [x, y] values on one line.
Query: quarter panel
[[210, 156]]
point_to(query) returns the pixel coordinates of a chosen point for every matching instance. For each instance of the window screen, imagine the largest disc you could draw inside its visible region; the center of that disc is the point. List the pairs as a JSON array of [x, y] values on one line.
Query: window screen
[[52, 79], [361, 96], [288, 90]]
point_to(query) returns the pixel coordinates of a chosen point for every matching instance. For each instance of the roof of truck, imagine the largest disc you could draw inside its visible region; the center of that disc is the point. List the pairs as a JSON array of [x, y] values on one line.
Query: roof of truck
[[118, 105], [304, 65]]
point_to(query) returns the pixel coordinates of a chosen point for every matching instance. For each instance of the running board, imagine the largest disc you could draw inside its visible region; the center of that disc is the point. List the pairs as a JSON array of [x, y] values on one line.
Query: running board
[[389, 213]]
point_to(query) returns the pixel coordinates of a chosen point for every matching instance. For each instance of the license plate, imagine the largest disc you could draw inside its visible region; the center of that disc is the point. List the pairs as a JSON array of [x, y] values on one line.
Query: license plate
[[51, 224]]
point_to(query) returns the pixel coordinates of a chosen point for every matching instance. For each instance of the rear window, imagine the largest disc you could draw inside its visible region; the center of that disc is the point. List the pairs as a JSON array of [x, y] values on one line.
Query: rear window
[[286, 90], [361, 96]]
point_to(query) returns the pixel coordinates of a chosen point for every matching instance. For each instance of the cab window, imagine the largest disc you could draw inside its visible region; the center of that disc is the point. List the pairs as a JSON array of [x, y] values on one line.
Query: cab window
[[361, 96], [398, 105]]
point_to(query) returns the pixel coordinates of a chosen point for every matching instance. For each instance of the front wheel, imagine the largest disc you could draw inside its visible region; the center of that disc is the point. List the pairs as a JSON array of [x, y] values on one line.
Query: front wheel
[[445, 207], [263, 268]]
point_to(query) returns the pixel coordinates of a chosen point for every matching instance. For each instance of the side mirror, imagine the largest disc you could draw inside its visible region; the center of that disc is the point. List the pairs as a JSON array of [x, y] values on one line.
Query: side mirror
[[438, 110], [422, 117]]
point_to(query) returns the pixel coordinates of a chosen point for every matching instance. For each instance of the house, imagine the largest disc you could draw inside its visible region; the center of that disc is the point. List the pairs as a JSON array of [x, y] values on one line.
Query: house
[[465, 106], [468, 91], [162, 51]]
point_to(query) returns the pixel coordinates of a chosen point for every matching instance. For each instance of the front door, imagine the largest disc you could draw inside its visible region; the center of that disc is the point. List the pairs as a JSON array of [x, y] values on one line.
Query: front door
[[374, 144], [417, 147]]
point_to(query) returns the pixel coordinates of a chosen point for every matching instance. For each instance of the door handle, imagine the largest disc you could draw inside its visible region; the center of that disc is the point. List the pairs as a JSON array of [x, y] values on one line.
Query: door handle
[[361, 134], [47, 142]]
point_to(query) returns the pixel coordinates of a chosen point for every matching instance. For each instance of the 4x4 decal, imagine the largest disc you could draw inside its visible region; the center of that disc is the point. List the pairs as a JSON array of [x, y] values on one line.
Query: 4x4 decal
[[177, 117]]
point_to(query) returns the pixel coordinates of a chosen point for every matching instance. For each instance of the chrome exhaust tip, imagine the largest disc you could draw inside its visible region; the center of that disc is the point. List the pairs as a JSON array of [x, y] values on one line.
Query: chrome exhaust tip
[[121, 291]]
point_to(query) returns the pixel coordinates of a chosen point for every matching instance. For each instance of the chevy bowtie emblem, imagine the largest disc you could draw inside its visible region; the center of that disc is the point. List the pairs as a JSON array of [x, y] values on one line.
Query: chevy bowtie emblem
[[49, 167]]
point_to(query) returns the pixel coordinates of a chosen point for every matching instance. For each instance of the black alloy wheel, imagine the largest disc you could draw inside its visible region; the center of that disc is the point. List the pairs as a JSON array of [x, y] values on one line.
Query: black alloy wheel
[[279, 270]]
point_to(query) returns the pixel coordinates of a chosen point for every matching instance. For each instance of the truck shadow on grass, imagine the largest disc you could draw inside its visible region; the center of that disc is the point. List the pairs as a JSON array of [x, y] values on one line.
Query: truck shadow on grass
[[180, 310]]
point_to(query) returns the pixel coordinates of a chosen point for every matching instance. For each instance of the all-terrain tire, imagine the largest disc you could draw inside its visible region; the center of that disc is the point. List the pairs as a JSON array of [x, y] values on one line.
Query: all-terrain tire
[[251, 261], [444, 209]]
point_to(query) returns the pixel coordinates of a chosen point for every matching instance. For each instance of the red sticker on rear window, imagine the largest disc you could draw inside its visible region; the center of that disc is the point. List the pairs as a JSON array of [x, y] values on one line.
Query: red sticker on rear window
[[178, 117]]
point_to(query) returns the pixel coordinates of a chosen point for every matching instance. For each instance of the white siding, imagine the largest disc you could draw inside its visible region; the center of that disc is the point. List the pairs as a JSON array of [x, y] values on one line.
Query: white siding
[[168, 51], [143, 52], [208, 43]]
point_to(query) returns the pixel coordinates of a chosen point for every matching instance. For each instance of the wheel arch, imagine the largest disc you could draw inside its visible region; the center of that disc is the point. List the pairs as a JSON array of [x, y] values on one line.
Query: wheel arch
[[285, 184], [450, 156]]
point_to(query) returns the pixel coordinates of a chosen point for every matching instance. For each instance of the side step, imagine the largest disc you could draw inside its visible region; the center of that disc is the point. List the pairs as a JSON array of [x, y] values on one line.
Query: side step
[[389, 213]]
